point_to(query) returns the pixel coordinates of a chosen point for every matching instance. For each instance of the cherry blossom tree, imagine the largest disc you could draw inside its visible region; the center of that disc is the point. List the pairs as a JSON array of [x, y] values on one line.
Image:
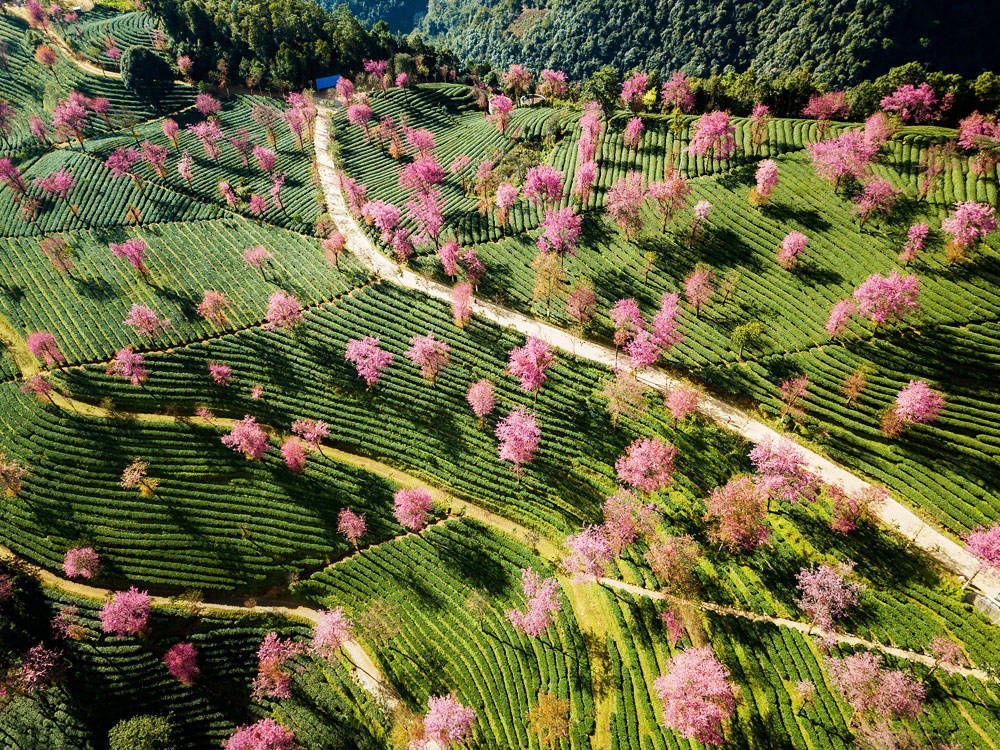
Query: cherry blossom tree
[[461, 303], [247, 437], [481, 398], [714, 135], [411, 507], [674, 560], [136, 475], [207, 105], [446, 723], [782, 470], [918, 403], [737, 512], [965, 225], [126, 613], [984, 545], [946, 652], [272, 680], [676, 93], [840, 315], [58, 184], [792, 246], [760, 117], [145, 321], [12, 176], [682, 402], [266, 734], [332, 629], [581, 304], [767, 178], [181, 660], [81, 562], [916, 235], [39, 667], [70, 117], [560, 231], [633, 132], [294, 454], [518, 79], [544, 599], [587, 553], [431, 355], [626, 518], [697, 694], [875, 694], [312, 432], [848, 155], [876, 198], [128, 364], [699, 287], [500, 108], [826, 593], [849, 510], [518, 434], [283, 311], [529, 363], [212, 306], [887, 298], [824, 107], [134, 251], [156, 156], [42, 345], [46, 56], [633, 91], [543, 185], [647, 465], [184, 167], [351, 525], [551, 84], [623, 202], [911, 103], [583, 180], [37, 385], [369, 358]]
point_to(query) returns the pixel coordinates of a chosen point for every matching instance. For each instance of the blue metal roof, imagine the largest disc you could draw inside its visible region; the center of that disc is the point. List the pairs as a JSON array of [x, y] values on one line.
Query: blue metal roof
[[326, 82]]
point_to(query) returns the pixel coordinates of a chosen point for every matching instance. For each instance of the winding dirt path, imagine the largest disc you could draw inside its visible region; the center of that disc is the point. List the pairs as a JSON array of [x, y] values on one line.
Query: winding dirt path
[[72, 55], [802, 627], [893, 514], [365, 670]]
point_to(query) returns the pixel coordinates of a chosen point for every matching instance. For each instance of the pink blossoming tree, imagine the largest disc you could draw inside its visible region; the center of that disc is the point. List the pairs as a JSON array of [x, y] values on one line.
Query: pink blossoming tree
[[126, 613], [826, 593], [247, 437], [648, 464], [518, 434], [81, 562], [369, 358], [529, 363], [543, 604], [411, 506], [182, 662], [352, 525], [697, 694]]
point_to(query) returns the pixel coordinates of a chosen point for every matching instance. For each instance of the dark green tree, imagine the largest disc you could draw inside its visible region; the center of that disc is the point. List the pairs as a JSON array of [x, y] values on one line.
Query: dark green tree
[[145, 73], [604, 87], [142, 732]]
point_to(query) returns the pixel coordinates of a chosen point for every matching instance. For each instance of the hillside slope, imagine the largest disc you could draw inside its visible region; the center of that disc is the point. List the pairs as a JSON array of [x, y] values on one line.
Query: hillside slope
[[842, 41]]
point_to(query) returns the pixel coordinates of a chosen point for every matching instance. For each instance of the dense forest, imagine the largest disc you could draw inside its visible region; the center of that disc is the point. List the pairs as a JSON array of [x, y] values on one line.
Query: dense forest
[[280, 43], [841, 41]]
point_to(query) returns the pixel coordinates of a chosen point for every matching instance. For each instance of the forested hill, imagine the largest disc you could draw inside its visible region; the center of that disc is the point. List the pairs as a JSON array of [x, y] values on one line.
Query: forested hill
[[841, 41]]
